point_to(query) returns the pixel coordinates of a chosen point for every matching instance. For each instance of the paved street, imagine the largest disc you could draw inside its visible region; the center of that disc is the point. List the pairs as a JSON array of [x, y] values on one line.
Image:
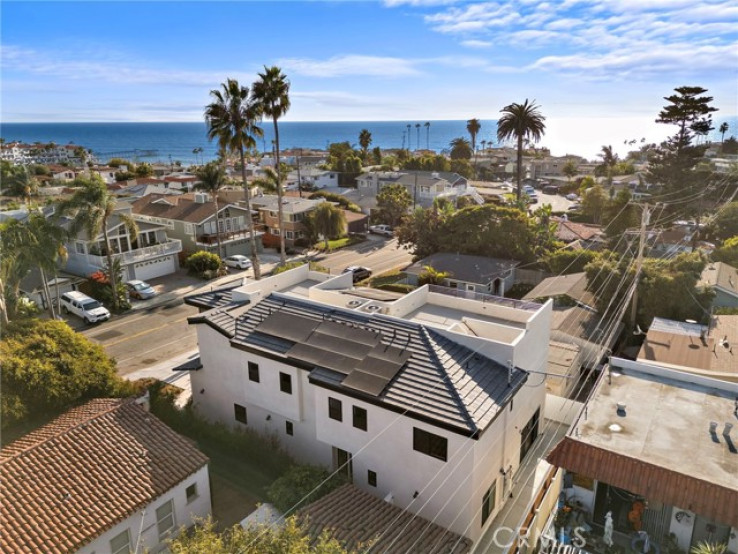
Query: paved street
[[154, 337]]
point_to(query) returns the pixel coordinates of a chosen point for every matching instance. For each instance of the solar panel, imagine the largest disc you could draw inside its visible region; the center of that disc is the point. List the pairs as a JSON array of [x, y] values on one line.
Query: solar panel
[[341, 346], [380, 368], [366, 383], [346, 331], [322, 358], [390, 353], [288, 326]]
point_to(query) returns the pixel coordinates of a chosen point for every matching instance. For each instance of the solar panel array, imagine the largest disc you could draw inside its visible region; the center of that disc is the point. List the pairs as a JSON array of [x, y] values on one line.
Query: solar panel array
[[358, 353]]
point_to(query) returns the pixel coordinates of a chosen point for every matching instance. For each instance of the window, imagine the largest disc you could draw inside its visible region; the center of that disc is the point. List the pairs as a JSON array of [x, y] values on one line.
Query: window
[[288, 235], [285, 383], [253, 372], [191, 492], [165, 519], [430, 444], [488, 502], [360, 418], [289, 428], [371, 478], [240, 412], [79, 247], [121, 544], [274, 231], [189, 228], [335, 409]]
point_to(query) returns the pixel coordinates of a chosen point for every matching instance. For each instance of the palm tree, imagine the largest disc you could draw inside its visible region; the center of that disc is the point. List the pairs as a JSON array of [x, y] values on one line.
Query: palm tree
[[521, 121], [271, 93], [91, 208], [723, 129], [460, 149], [212, 179], [709, 548], [328, 220], [427, 135], [231, 118], [408, 136], [23, 184], [269, 183], [484, 145], [365, 139], [44, 247], [609, 161], [417, 128], [473, 126]]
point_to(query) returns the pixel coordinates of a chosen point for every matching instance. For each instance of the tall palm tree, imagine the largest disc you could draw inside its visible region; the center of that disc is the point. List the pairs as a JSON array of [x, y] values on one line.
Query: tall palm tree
[[521, 121], [417, 128], [269, 183], [43, 248], [23, 185], [473, 126], [723, 129], [212, 179], [484, 145], [609, 160], [365, 139], [408, 136], [328, 220], [91, 208], [231, 118], [272, 95], [427, 135]]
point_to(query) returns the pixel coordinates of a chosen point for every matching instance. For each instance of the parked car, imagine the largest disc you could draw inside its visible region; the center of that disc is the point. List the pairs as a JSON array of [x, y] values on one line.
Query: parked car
[[360, 272], [572, 196], [527, 189], [532, 197], [81, 305], [140, 289], [551, 189], [384, 230], [238, 261]]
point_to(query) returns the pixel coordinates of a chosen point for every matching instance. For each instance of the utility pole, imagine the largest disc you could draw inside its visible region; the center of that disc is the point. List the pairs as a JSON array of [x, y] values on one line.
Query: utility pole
[[645, 216], [299, 181], [415, 191]]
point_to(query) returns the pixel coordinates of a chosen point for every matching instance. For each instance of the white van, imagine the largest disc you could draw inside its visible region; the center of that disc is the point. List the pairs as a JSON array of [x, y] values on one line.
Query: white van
[[83, 306]]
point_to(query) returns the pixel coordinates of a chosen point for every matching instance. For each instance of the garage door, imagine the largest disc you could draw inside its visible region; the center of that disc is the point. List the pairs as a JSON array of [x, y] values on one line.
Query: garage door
[[154, 268]]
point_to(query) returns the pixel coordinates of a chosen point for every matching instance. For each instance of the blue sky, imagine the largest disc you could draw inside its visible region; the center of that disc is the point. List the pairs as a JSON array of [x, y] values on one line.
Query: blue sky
[[596, 61]]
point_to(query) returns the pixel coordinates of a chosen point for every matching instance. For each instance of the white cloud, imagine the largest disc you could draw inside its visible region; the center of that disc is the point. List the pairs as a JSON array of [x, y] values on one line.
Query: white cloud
[[476, 43], [418, 3], [376, 66]]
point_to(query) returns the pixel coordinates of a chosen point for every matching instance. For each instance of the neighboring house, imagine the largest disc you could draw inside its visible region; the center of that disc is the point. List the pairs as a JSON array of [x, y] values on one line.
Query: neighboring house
[[190, 218], [311, 177], [356, 222], [107, 476], [294, 212], [586, 236], [551, 166], [422, 399], [139, 189], [654, 448], [107, 174], [423, 186], [20, 153], [566, 290], [182, 182], [152, 254], [708, 350], [32, 287], [468, 273], [62, 173], [723, 280]]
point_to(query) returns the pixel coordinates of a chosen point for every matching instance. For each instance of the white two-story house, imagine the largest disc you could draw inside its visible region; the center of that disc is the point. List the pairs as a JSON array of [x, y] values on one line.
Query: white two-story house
[[423, 400]]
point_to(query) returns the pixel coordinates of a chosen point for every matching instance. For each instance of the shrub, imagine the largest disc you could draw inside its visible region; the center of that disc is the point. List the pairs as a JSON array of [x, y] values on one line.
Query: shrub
[[201, 262], [301, 485], [396, 287], [286, 267], [338, 199]]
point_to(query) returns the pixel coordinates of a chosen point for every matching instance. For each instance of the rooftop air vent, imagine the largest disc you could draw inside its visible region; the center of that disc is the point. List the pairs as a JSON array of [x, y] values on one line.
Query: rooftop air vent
[[354, 303], [373, 308], [621, 409]]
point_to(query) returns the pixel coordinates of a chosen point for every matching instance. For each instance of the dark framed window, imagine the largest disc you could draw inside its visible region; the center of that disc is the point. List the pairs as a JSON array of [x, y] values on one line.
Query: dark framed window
[[240, 412], [289, 428], [253, 372], [371, 478], [488, 502], [360, 418], [335, 409], [285, 382], [191, 492], [430, 444]]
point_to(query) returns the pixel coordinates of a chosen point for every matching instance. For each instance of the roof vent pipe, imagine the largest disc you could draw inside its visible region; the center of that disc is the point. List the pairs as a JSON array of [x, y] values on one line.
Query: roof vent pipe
[[713, 427], [726, 429]]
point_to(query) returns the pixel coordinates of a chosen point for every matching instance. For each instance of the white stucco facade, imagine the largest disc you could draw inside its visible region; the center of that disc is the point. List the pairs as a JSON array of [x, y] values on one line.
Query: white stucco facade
[[142, 527]]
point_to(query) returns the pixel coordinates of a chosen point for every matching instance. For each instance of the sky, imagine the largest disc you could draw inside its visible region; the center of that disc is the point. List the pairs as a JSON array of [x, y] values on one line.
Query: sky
[[593, 66]]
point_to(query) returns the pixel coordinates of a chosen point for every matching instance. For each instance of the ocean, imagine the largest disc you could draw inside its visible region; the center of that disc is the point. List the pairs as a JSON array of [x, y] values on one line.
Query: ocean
[[158, 141], [151, 142]]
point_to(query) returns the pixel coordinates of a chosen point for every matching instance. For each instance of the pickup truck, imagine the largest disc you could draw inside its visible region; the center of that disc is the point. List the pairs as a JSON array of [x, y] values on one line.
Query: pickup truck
[[384, 230]]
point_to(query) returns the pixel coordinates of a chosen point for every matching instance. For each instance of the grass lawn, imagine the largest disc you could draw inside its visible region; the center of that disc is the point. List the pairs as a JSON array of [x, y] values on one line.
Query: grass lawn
[[338, 243]]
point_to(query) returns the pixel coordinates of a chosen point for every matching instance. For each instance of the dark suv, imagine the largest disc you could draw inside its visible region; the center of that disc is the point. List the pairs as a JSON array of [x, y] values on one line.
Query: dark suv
[[360, 273]]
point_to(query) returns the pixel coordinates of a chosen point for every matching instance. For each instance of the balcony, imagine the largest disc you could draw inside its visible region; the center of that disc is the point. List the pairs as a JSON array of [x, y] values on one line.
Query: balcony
[[212, 238], [488, 298], [171, 246]]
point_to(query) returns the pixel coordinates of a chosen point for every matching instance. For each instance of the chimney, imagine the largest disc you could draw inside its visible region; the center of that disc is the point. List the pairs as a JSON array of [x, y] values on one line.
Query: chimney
[[144, 401], [201, 197]]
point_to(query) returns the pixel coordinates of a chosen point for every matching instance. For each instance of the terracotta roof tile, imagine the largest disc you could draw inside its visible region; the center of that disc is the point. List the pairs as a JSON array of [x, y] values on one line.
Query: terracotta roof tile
[[69, 481]]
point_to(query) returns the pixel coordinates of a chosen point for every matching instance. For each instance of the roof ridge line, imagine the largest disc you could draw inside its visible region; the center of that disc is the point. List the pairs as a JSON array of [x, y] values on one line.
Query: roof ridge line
[[120, 402]]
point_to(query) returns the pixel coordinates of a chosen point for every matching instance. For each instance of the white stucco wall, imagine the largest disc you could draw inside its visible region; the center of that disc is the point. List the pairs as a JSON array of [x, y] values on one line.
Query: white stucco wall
[[144, 522]]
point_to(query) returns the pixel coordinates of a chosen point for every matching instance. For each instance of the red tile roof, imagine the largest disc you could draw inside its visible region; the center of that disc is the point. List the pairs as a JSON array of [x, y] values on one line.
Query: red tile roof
[[569, 231], [649, 480], [71, 480]]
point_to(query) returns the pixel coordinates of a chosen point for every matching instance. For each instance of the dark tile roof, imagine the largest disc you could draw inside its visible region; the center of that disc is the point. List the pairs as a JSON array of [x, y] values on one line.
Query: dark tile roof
[[71, 480], [573, 285], [179, 207], [356, 517], [463, 267], [212, 299], [442, 381]]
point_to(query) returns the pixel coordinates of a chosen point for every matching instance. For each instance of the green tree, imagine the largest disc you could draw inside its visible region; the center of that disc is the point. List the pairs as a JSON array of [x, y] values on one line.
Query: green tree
[[723, 129], [21, 184], [231, 119], [521, 122], [688, 110], [48, 367], [327, 220], [594, 202], [91, 208], [393, 202], [272, 95], [292, 537], [365, 139], [460, 149], [728, 252], [212, 180], [570, 170], [204, 264], [376, 155], [609, 161], [566, 261], [473, 126], [427, 134], [431, 276], [725, 224], [117, 162], [144, 170], [301, 485], [709, 548], [620, 214], [463, 168]]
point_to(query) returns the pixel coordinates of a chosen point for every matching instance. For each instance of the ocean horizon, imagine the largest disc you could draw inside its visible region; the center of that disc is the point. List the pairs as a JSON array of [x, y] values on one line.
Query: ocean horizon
[[175, 141]]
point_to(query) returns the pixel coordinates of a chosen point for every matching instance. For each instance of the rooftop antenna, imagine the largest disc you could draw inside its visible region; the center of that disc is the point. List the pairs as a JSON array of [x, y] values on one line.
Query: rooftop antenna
[[510, 369]]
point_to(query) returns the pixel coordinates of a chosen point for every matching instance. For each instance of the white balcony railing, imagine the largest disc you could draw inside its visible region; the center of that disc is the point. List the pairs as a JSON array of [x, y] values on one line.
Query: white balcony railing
[[171, 246]]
